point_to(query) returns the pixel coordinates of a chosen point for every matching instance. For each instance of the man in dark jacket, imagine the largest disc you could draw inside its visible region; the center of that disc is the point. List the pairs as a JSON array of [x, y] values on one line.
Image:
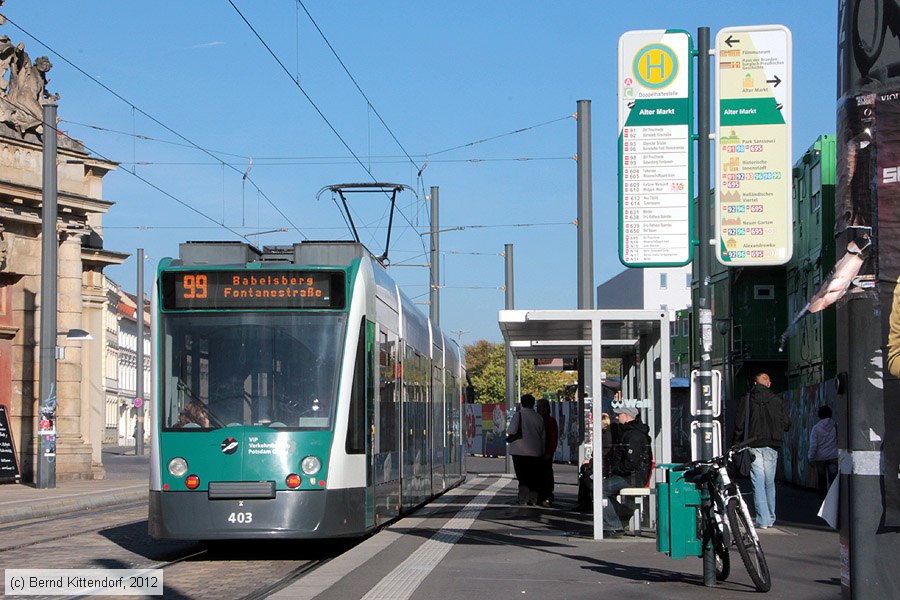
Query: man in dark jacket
[[629, 465], [766, 426]]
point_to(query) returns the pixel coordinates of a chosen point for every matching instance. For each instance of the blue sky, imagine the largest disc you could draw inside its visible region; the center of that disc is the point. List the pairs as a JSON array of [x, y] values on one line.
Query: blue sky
[[441, 76]]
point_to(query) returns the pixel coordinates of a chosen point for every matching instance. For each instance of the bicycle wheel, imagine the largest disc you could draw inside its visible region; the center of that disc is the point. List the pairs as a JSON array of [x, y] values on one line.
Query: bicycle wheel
[[748, 546], [723, 558]]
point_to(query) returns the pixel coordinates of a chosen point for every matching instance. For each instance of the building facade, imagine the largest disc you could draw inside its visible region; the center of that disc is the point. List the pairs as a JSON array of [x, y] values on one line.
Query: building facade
[[121, 367], [666, 288], [79, 387]]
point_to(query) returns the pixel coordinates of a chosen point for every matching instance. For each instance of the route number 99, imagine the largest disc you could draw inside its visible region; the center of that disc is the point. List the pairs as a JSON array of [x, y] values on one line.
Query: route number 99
[[195, 286]]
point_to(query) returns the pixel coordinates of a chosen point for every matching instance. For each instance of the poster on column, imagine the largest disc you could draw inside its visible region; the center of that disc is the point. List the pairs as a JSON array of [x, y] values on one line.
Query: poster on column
[[887, 142], [493, 429]]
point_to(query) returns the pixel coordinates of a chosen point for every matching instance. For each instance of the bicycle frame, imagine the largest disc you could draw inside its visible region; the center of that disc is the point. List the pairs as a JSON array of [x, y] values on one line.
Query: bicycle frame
[[725, 518]]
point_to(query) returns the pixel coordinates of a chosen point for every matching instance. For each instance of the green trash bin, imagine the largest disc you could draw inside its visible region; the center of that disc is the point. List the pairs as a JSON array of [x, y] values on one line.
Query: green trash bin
[[677, 502]]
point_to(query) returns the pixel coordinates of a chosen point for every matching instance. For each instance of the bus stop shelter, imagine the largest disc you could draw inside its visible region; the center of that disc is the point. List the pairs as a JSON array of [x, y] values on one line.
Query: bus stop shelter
[[640, 338]]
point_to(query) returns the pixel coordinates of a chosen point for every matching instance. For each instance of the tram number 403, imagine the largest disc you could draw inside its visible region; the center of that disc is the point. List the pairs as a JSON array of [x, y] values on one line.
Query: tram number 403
[[240, 517]]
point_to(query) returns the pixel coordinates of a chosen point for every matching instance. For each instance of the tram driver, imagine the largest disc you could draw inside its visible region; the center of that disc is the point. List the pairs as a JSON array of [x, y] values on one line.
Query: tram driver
[[194, 413]]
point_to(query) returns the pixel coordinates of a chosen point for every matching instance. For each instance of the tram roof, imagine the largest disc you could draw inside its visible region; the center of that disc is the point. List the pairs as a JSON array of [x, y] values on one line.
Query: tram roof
[[570, 333]]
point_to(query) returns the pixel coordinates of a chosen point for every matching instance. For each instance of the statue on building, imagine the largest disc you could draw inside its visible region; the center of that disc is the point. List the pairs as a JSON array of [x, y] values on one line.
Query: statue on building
[[23, 87]]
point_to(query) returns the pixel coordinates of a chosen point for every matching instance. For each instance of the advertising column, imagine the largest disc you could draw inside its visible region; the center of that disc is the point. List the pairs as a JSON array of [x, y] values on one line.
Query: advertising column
[[867, 249]]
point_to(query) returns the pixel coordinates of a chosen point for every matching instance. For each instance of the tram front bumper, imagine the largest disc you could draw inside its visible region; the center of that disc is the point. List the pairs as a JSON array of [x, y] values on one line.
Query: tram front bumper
[[298, 514]]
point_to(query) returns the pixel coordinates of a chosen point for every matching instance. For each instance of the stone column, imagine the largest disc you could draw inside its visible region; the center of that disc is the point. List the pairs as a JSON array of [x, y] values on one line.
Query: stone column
[[73, 453], [93, 390]]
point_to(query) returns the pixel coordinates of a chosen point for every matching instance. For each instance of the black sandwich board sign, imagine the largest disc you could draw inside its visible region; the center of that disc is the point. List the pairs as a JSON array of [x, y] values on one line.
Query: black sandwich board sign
[[9, 465]]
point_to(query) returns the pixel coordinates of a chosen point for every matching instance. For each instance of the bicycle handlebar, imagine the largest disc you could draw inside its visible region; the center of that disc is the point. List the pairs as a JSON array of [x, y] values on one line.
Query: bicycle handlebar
[[716, 459]]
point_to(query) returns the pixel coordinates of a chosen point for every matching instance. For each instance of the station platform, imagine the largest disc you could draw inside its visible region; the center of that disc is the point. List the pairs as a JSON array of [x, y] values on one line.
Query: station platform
[[474, 543], [126, 481]]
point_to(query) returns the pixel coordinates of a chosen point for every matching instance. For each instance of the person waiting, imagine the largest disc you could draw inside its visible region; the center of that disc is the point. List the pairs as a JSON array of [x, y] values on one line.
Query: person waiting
[[823, 451], [526, 444], [585, 501], [551, 430], [629, 465]]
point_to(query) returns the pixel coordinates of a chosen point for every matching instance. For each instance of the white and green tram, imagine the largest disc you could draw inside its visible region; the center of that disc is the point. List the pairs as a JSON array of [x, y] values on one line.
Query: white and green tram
[[297, 394]]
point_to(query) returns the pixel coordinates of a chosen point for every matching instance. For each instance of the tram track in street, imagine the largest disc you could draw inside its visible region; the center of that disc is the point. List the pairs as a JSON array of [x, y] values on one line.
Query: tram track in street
[[37, 524], [116, 537]]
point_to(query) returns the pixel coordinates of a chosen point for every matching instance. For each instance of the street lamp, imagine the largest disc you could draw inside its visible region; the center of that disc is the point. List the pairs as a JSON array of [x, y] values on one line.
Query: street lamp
[[72, 335]]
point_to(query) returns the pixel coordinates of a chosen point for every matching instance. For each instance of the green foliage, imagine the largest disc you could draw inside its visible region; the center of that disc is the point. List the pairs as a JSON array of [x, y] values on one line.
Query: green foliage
[[611, 366], [486, 363], [478, 355]]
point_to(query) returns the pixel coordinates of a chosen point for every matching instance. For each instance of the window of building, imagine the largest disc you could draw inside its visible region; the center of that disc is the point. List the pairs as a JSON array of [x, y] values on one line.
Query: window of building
[[816, 187], [663, 280], [763, 292], [687, 280], [685, 328]]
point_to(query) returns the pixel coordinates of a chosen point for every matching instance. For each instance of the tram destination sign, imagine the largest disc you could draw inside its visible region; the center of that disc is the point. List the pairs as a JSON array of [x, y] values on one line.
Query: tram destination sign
[[251, 290], [655, 151], [754, 207]]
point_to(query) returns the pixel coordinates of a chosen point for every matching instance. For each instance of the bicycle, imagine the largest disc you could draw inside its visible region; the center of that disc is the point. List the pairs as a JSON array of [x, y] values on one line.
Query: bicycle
[[725, 500]]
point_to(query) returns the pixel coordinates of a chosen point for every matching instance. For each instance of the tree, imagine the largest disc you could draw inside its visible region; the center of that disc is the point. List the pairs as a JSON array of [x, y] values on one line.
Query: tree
[[478, 355], [486, 364]]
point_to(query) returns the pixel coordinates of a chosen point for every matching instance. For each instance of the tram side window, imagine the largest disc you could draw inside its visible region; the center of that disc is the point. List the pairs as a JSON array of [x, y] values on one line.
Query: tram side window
[[451, 399], [356, 426], [371, 378], [387, 407]]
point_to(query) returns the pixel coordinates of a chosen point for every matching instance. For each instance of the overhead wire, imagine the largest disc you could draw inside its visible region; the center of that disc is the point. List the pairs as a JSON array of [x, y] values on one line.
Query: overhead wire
[[299, 160], [134, 107], [191, 144], [488, 139], [453, 227], [134, 174], [312, 103], [353, 79]]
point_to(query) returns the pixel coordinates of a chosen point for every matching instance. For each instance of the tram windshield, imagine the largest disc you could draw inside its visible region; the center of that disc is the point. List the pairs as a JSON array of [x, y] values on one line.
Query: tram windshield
[[277, 370]]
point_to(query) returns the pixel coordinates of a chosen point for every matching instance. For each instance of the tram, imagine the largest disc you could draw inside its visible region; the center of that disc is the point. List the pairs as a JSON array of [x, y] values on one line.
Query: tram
[[297, 393]]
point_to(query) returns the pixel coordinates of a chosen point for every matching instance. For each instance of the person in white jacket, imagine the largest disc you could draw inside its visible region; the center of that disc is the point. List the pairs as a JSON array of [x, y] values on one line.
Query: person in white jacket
[[823, 450], [525, 443]]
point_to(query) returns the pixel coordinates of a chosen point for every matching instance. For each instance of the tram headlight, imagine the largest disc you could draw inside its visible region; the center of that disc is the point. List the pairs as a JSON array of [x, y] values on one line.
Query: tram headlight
[[310, 465], [178, 467]]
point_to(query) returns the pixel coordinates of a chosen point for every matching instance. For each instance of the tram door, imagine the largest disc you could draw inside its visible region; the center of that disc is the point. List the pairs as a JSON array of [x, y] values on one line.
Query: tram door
[[386, 443], [438, 439], [416, 464]]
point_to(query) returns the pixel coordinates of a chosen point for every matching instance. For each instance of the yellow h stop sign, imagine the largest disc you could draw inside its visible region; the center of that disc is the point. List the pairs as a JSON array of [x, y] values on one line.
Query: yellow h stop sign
[[655, 66]]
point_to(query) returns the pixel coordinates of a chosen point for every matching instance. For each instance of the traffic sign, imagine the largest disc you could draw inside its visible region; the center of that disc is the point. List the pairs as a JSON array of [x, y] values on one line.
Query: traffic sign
[[655, 151], [137, 402], [754, 208]]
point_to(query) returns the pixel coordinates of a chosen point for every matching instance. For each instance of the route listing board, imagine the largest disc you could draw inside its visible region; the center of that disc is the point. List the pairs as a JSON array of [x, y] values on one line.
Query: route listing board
[[655, 151], [754, 209]]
